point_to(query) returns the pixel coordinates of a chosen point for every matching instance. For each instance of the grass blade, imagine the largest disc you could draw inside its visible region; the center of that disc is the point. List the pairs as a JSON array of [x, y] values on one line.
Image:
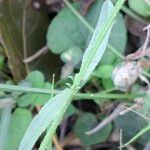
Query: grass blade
[[55, 108]]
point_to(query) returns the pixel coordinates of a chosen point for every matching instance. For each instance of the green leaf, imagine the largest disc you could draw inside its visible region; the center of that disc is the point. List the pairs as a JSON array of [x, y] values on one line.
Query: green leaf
[[97, 45], [11, 28], [143, 131], [118, 33], [26, 100], [85, 123], [107, 83], [52, 110], [103, 71], [140, 7], [65, 32], [73, 56], [5, 117], [131, 124], [43, 98], [70, 111], [18, 125], [36, 78]]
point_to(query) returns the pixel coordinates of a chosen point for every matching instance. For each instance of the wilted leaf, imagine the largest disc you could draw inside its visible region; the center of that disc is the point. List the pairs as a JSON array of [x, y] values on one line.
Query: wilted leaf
[[11, 27]]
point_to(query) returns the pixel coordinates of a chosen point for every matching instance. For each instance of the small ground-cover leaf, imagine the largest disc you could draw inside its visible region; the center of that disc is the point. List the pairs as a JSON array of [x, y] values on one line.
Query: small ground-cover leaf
[[36, 78], [18, 125], [103, 71], [43, 98], [85, 123], [65, 32], [26, 100], [71, 33], [131, 124]]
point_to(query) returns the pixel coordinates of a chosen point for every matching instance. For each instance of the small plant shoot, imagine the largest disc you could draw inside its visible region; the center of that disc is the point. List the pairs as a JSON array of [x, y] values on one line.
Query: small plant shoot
[[74, 74]]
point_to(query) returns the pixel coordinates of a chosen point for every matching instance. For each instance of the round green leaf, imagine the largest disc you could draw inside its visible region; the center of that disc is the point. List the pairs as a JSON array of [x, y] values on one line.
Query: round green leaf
[[43, 98], [103, 71], [85, 123], [65, 32], [26, 100], [36, 78], [142, 7], [20, 120], [131, 124]]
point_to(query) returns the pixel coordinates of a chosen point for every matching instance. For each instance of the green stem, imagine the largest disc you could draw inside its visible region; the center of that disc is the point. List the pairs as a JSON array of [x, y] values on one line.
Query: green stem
[[133, 15], [98, 96], [144, 130], [90, 28], [78, 15], [101, 95], [16, 88]]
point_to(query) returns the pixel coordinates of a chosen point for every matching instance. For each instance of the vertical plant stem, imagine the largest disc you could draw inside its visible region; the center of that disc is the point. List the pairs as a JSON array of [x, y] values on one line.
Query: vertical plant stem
[[46, 143]]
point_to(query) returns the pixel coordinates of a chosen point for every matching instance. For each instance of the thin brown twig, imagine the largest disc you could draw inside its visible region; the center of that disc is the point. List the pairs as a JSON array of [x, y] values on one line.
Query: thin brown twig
[[107, 120], [42, 51], [56, 143]]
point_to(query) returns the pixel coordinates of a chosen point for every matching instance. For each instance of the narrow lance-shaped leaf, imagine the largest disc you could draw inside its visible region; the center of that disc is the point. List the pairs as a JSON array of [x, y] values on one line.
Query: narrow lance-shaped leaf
[[55, 108], [96, 49], [98, 43]]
